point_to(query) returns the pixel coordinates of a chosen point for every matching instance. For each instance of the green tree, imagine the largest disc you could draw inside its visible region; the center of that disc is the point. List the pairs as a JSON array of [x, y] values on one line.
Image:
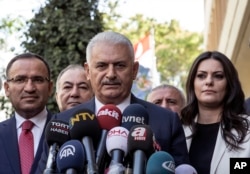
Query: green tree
[[175, 48], [9, 26], [60, 32]]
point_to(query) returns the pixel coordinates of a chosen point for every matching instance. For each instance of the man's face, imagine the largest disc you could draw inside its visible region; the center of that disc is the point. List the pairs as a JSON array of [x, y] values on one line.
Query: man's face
[[111, 72], [73, 89], [168, 98], [29, 96]]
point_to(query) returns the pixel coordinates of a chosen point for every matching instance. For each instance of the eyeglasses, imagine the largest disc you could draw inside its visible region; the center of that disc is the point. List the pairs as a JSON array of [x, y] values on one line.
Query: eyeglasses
[[24, 79]]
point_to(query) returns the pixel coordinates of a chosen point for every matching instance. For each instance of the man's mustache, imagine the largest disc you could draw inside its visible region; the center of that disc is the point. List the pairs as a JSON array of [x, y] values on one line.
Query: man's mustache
[[111, 82]]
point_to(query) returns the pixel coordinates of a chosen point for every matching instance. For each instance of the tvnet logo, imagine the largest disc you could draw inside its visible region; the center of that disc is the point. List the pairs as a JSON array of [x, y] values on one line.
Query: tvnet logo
[[66, 151], [133, 119], [139, 134]]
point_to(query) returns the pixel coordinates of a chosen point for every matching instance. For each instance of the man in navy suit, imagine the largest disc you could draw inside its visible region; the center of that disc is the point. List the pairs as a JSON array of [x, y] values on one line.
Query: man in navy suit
[[111, 69], [28, 88]]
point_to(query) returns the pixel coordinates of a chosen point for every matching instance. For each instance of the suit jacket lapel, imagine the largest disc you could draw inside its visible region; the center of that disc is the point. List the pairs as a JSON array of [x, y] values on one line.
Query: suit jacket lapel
[[91, 104], [219, 150], [188, 133], [40, 146]]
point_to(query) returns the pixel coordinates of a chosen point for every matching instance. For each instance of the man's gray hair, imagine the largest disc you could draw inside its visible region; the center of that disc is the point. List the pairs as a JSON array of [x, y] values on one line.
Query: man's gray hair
[[109, 37], [69, 67]]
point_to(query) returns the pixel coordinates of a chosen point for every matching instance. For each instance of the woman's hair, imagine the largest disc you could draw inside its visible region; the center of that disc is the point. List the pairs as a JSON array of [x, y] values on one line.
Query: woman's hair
[[233, 102]]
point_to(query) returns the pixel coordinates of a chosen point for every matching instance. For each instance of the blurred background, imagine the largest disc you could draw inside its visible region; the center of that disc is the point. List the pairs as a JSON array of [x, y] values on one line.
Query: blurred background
[[167, 35]]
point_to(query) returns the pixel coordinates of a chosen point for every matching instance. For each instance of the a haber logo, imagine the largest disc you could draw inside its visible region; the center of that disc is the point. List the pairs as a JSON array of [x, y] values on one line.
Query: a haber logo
[[169, 165], [67, 151], [139, 133], [108, 112]]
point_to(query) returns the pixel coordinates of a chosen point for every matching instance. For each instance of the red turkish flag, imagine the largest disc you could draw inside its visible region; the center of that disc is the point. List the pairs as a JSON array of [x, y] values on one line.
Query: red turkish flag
[[142, 47]]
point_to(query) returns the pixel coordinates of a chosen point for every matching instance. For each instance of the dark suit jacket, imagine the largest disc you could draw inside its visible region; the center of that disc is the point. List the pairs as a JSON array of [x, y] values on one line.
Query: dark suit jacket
[[165, 124], [9, 153]]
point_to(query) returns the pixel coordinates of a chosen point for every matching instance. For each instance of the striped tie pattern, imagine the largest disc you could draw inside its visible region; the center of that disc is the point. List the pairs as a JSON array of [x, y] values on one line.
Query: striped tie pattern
[[26, 147]]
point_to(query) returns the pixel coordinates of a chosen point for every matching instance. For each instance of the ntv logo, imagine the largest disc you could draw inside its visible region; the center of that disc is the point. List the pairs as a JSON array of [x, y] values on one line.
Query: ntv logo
[[67, 151]]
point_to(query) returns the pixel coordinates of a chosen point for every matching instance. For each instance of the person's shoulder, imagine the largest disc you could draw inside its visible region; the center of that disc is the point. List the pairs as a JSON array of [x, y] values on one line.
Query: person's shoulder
[[6, 123], [247, 100], [155, 108]]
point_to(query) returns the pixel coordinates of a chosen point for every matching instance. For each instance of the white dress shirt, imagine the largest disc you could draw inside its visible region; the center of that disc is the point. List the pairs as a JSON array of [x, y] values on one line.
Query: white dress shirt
[[121, 106], [39, 121]]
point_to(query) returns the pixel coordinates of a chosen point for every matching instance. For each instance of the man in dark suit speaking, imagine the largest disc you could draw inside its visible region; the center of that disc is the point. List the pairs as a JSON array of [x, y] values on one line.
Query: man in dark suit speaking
[[111, 69]]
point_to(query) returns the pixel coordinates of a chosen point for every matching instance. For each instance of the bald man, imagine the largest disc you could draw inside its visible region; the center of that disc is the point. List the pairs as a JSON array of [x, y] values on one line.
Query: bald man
[[167, 96]]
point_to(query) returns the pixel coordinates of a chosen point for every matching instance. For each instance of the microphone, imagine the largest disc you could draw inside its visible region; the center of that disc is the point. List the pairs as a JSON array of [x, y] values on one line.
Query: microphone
[[185, 169], [140, 145], [109, 116], [116, 144], [134, 114], [56, 133], [84, 127], [71, 157], [160, 162]]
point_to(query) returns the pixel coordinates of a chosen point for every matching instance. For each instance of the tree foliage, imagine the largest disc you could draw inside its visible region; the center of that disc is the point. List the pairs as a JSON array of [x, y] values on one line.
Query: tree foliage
[[9, 26], [175, 48], [60, 32]]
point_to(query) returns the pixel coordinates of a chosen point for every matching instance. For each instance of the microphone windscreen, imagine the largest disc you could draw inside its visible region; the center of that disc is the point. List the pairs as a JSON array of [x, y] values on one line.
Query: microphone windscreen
[[160, 162], [134, 114], [84, 123], [57, 131], [117, 139], [109, 116], [71, 155], [185, 169], [140, 137]]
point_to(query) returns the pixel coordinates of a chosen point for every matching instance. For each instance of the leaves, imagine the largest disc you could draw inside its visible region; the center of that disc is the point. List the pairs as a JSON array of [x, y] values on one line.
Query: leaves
[[60, 32], [175, 48]]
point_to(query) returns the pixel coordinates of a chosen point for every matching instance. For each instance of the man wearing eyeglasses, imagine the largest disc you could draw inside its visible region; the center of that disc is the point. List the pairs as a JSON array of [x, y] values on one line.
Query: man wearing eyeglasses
[[28, 88]]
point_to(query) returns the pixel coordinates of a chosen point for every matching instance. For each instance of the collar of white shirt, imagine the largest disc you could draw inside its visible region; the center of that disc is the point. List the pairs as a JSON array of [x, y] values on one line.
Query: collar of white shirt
[[121, 106]]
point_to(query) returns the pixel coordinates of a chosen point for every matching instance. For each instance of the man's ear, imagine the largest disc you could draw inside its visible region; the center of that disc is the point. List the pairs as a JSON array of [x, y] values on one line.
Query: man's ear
[[86, 68], [6, 88], [135, 69]]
